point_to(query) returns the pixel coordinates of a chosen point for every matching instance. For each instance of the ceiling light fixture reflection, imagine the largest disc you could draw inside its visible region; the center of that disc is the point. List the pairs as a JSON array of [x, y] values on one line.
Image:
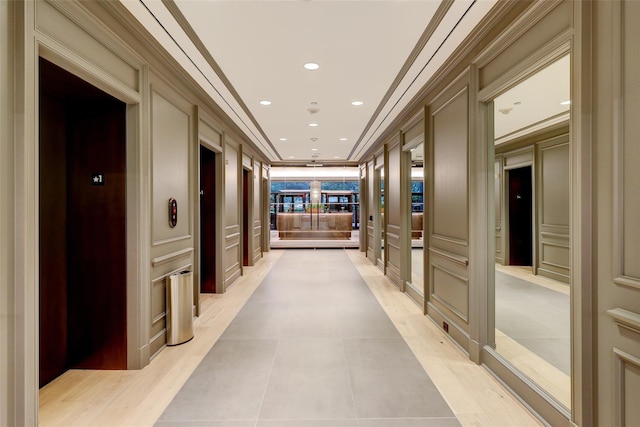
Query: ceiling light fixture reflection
[[265, 102], [313, 125], [568, 102], [314, 149], [343, 139], [283, 139], [357, 103], [311, 66]]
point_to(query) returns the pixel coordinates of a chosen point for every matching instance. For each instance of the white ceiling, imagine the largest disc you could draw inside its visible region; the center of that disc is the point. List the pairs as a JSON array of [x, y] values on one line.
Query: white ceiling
[[535, 103], [379, 52]]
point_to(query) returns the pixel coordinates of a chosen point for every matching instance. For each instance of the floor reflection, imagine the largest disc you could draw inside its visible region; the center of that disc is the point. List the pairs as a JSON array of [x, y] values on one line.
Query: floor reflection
[[533, 328]]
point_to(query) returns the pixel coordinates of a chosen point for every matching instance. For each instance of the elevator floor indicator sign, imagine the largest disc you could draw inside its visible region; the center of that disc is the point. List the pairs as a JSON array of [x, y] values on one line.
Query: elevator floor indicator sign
[[97, 178]]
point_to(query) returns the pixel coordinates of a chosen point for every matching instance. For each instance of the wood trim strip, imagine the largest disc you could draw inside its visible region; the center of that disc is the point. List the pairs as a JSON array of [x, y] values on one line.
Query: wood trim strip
[[626, 319], [627, 281], [450, 256], [555, 235], [170, 257]]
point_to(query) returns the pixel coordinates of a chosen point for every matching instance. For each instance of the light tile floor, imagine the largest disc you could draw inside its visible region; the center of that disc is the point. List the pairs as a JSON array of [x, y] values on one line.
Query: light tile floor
[[312, 347]]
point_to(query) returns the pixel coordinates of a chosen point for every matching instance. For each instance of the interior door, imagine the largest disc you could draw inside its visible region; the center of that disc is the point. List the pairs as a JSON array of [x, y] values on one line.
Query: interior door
[[207, 221]]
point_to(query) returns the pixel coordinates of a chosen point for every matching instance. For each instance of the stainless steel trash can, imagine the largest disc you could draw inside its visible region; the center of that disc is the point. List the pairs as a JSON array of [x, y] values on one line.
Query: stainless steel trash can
[[179, 307]]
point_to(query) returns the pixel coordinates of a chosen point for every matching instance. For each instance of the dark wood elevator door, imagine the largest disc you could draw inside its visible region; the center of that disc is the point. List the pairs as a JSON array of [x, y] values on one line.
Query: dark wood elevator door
[[520, 216], [83, 269], [207, 220]]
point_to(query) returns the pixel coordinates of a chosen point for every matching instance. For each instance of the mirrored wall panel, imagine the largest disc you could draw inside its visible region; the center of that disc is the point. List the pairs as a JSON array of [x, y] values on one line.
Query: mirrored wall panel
[[532, 245], [417, 210]]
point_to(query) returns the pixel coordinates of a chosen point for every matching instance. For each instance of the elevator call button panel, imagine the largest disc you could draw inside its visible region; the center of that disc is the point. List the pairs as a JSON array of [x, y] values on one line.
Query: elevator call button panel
[[173, 212]]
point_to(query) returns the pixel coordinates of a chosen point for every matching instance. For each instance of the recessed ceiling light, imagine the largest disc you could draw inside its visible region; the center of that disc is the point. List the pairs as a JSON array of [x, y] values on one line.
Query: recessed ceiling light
[[357, 103], [313, 125], [343, 139], [291, 157], [336, 157], [283, 139], [265, 102], [565, 102], [311, 66], [314, 149]]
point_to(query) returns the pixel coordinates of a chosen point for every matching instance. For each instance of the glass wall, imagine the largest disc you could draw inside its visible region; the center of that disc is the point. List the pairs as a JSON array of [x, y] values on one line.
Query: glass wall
[[315, 210]]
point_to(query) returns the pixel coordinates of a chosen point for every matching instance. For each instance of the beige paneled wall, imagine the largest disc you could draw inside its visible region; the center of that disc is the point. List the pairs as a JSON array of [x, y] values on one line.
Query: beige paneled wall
[[617, 175], [257, 211], [498, 209], [170, 141], [101, 43], [172, 247], [448, 211], [371, 212], [233, 212], [8, 388], [393, 213], [553, 206]]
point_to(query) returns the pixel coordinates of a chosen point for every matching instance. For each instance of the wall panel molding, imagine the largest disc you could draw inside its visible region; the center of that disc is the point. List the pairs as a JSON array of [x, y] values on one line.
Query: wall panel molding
[[171, 257], [451, 290], [626, 378], [626, 154]]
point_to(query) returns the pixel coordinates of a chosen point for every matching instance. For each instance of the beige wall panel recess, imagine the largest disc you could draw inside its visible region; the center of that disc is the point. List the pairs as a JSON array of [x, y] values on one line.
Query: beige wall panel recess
[[448, 212], [554, 197], [628, 153], [393, 213], [370, 180], [498, 204], [627, 385], [232, 217], [257, 211], [616, 89], [450, 186], [170, 135]]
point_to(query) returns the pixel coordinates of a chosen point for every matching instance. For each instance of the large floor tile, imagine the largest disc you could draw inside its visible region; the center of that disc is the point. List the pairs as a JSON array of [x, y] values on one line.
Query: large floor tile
[[257, 321], [388, 381], [228, 385], [365, 321], [309, 380]]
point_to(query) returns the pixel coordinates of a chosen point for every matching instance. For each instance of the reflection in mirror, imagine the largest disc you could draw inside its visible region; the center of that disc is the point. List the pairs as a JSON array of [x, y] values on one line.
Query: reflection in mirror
[[531, 164], [417, 219], [381, 222]]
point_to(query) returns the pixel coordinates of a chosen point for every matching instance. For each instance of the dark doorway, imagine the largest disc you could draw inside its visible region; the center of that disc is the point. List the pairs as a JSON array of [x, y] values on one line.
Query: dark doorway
[[207, 220], [82, 230], [520, 216], [246, 231]]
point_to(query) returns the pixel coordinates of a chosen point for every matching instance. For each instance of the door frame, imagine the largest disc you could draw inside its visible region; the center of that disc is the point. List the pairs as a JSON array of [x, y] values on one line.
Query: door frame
[[576, 42]]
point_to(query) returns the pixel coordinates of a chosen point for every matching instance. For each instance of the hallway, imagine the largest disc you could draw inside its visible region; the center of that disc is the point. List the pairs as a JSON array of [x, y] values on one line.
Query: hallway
[[312, 343], [325, 339]]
